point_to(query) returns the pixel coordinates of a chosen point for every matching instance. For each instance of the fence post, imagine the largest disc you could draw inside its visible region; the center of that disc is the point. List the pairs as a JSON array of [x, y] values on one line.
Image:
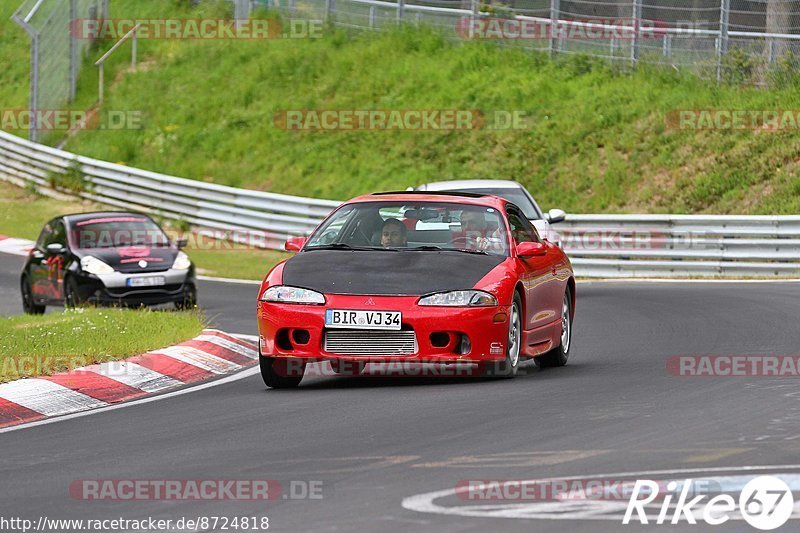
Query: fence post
[[328, 9], [33, 133], [555, 8], [637, 22], [722, 42], [371, 17], [401, 7], [73, 49]]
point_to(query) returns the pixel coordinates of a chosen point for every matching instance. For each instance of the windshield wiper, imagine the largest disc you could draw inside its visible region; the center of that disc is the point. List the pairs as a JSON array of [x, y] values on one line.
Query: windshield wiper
[[426, 248], [344, 246], [469, 251]]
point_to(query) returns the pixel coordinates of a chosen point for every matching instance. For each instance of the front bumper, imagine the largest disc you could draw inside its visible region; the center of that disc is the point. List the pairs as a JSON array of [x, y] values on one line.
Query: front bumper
[[112, 289], [281, 326]]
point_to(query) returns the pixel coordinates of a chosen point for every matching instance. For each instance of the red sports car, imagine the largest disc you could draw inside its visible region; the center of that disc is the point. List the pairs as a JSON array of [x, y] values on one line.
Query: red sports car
[[417, 277]]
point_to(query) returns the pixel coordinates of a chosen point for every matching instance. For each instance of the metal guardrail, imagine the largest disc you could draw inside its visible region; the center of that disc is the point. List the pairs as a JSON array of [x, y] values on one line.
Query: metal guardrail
[[682, 245], [271, 217], [599, 245]]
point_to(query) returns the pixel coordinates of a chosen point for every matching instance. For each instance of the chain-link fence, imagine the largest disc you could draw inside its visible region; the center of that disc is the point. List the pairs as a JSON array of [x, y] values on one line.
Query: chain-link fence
[[56, 50], [745, 41]]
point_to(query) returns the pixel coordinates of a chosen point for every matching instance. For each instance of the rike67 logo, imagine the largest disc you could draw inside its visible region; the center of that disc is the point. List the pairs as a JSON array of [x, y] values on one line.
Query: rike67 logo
[[765, 503]]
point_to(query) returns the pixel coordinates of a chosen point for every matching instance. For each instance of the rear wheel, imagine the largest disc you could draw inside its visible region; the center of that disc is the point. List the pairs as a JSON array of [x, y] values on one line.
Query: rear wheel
[[508, 368], [347, 368], [29, 305], [560, 355]]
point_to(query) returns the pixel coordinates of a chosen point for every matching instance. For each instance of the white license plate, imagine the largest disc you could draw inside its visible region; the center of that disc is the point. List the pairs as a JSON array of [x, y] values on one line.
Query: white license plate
[[150, 281], [351, 319]]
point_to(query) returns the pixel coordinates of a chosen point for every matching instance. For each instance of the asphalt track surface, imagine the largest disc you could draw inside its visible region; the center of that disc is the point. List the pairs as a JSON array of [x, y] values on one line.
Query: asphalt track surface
[[375, 441]]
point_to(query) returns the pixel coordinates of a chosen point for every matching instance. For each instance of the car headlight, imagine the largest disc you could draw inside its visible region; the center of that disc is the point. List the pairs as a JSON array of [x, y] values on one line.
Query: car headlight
[[469, 298], [292, 295], [93, 265], [182, 262]]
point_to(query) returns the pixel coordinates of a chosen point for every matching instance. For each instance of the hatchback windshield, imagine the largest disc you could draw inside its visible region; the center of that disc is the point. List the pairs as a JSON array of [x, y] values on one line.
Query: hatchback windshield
[[117, 232], [413, 226]]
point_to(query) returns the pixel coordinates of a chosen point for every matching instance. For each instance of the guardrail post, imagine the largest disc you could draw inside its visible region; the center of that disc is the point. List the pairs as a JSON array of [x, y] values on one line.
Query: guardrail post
[[329, 6], [613, 46], [555, 8], [401, 7], [637, 24], [667, 45], [371, 17], [722, 41]]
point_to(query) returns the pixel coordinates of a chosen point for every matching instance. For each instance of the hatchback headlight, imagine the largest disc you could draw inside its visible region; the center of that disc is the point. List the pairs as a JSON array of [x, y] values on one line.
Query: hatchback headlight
[[182, 262], [93, 265], [469, 298], [292, 295]]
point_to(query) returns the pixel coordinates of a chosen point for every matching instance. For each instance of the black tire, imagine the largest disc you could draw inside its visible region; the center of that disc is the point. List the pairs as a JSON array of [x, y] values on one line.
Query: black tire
[[189, 300], [347, 368], [28, 304], [559, 355], [72, 294], [281, 373], [508, 369]]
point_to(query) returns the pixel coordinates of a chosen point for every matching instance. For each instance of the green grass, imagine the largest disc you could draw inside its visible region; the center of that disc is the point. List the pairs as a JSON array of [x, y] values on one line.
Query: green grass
[[596, 141], [43, 345], [23, 213]]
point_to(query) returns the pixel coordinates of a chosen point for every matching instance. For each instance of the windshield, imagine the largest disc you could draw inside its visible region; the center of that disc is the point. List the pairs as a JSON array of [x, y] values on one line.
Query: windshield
[[516, 196], [413, 226], [117, 232]]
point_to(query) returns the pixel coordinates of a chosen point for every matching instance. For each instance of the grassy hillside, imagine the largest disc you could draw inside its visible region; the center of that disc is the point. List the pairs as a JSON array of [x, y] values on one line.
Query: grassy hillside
[[596, 140]]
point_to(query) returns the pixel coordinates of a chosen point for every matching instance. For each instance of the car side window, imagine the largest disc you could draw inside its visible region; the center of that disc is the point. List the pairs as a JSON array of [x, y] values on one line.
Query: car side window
[[59, 234], [46, 236], [521, 228]]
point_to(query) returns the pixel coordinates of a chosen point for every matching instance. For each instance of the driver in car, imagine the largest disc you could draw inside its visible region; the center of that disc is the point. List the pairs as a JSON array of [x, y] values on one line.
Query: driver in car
[[394, 234], [476, 231]]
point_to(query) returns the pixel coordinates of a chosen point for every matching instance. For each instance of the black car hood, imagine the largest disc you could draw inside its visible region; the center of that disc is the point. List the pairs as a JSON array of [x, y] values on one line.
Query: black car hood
[[386, 272], [126, 259]]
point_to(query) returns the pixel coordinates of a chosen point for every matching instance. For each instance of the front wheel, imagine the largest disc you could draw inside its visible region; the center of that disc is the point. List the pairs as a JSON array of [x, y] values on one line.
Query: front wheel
[[560, 355], [72, 294], [280, 372], [29, 305], [189, 299], [508, 368]]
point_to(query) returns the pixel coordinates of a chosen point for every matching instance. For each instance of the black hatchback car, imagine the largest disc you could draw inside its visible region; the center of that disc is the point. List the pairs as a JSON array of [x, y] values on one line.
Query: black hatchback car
[[106, 258]]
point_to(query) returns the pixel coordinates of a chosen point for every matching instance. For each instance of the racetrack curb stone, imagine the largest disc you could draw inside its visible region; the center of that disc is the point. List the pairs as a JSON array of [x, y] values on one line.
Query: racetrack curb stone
[[211, 354]]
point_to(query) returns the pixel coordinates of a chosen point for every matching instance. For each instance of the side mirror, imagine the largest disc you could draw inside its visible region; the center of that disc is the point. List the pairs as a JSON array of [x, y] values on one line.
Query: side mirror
[[55, 249], [294, 244], [182, 243], [531, 249], [556, 215]]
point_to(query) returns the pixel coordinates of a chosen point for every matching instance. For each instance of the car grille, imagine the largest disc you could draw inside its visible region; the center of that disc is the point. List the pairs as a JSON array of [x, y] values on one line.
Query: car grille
[[360, 342]]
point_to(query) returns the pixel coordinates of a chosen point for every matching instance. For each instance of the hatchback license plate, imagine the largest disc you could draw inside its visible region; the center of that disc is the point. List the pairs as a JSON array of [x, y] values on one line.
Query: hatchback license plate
[[150, 281]]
